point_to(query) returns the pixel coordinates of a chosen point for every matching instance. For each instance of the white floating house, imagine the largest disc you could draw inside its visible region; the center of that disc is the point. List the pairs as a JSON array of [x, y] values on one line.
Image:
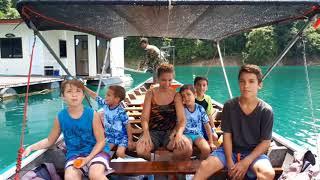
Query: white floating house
[[83, 54]]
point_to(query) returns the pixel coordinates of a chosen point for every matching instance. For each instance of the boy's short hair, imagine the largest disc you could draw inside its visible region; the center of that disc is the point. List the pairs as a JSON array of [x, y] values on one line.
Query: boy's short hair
[[144, 40], [198, 79], [118, 91], [165, 68], [187, 87], [74, 82], [251, 68]]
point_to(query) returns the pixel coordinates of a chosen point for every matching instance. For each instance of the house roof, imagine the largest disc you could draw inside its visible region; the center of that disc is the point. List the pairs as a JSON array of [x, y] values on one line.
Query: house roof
[[195, 19], [10, 21]]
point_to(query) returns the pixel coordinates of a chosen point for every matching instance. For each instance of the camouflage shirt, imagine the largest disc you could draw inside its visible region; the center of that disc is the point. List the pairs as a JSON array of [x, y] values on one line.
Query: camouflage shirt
[[153, 58]]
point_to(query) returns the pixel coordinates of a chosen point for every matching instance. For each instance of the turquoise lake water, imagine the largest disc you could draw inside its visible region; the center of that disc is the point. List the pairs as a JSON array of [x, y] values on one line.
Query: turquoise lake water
[[285, 90]]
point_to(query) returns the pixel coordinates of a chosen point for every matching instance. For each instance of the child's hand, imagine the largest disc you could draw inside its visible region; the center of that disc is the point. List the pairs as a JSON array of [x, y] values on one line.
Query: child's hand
[[212, 146], [26, 152], [146, 142], [80, 162]]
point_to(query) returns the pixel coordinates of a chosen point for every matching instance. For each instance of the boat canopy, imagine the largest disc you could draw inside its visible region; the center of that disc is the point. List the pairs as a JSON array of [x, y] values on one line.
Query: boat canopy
[[194, 19]]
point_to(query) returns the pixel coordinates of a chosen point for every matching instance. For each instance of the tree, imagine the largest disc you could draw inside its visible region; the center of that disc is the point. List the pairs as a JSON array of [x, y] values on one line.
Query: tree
[[261, 46], [7, 10]]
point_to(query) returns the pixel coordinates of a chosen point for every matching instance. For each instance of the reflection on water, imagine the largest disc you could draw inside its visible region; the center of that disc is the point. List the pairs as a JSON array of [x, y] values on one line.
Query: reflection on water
[[285, 90]]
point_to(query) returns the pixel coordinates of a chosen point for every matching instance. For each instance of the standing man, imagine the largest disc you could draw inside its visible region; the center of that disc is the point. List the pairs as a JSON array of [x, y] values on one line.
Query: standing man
[[153, 58]]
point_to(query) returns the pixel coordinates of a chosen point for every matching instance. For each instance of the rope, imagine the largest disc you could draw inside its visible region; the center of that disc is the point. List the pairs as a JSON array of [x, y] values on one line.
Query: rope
[[308, 85], [224, 70], [209, 67], [20, 151]]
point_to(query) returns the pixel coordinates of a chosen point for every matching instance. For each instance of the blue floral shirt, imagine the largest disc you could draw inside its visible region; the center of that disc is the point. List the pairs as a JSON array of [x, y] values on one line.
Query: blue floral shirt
[[115, 122], [195, 120]]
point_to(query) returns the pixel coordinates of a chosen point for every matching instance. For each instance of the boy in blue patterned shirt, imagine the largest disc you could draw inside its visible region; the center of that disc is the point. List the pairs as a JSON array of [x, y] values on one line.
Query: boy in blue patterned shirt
[[115, 118], [196, 117]]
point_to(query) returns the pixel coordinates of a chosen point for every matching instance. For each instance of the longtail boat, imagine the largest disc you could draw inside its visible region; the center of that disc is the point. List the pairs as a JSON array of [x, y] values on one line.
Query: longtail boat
[[204, 19]]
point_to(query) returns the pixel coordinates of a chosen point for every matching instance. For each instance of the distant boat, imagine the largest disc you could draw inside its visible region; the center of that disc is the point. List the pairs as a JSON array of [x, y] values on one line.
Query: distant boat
[[107, 80]]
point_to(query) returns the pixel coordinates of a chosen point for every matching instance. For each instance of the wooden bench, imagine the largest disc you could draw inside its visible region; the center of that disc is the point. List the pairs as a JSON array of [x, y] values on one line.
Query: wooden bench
[[155, 167], [165, 168]]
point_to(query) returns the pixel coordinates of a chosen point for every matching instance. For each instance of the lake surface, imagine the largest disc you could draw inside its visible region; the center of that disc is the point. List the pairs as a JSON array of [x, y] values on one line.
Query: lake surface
[[285, 90]]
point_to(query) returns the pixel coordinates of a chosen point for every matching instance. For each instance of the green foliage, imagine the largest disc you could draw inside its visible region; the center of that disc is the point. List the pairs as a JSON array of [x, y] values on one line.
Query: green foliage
[[4, 6], [7, 10], [313, 41], [261, 46]]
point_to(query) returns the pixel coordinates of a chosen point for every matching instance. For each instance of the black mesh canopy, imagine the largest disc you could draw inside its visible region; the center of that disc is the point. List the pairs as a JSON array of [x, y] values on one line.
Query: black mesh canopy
[[176, 19]]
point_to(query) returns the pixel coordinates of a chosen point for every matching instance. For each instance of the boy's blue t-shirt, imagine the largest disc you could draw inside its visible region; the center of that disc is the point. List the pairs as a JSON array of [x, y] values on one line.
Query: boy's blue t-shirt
[[115, 120], [78, 133], [195, 120]]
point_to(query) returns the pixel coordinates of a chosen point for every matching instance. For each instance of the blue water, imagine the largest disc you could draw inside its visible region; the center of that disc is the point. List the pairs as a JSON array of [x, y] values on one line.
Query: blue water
[[285, 90]]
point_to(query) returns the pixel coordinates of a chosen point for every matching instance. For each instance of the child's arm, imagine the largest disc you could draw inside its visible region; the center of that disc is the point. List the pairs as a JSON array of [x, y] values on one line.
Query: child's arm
[[47, 142], [180, 115], [227, 145], [91, 93], [211, 120], [99, 135], [211, 112], [209, 134]]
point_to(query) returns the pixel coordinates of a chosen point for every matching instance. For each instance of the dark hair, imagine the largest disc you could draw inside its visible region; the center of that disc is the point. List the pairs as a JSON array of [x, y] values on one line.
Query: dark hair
[[251, 68], [74, 82], [165, 68], [118, 91], [187, 87], [144, 40], [198, 79]]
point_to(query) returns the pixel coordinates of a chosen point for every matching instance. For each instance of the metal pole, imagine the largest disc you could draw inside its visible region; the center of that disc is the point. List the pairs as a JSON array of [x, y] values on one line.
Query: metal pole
[[104, 66], [284, 52], [33, 27], [223, 69]]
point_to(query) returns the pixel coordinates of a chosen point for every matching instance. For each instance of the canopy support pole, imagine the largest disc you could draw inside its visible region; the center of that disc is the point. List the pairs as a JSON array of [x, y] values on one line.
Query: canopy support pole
[[104, 66], [43, 40], [285, 51], [224, 70]]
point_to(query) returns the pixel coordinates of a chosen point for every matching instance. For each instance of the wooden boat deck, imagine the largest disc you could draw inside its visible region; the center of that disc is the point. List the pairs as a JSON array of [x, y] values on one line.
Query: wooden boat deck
[[280, 152]]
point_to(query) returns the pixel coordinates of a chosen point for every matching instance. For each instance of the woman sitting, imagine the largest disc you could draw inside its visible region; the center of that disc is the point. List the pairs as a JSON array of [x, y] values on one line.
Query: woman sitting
[[163, 119]]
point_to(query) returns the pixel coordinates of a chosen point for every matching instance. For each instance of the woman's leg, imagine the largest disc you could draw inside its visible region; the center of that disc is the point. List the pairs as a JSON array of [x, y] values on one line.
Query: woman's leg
[[142, 150], [183, 153], [204, 147]]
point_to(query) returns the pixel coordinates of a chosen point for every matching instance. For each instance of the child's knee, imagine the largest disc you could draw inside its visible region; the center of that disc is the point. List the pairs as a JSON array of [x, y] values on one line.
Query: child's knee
[[72, 174], [96, 171], [266, 173], [205, 150]]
